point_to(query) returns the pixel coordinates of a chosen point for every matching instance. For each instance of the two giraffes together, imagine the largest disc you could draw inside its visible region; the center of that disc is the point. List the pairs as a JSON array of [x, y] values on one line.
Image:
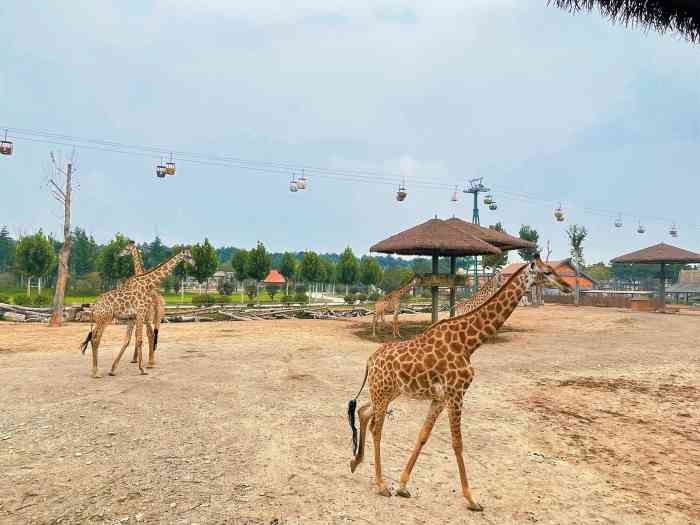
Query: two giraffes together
[[137, 301], [436, 366]]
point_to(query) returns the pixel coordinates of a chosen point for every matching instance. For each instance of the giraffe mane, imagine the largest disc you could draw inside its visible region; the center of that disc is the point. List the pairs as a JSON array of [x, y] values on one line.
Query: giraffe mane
[[483, 305], [155, 268]]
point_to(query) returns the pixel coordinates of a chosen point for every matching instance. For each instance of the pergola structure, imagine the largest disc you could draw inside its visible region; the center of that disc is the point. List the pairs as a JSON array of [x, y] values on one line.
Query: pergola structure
[[661, 254], [451, 238]]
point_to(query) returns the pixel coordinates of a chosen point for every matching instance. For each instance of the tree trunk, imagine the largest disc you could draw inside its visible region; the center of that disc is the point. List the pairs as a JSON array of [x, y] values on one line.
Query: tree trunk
[[63, 256], [578, 286]]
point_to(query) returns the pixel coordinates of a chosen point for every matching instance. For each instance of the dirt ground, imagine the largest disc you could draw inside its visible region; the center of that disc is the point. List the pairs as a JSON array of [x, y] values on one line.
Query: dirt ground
[[576, 416]]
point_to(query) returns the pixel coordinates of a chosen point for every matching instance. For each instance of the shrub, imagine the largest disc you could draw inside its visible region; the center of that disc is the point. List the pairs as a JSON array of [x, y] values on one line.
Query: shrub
[[41, 300], [301, 298], [300, 288], [203, 299], [222, 299], [4, 299], [286, 299], [23, 300], [350, 298], [361, 297], [251, 292]]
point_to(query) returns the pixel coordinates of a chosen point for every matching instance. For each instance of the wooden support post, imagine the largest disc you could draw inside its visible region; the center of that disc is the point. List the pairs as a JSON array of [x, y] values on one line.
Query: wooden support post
[[662, 287], [434, 290], [453, 291]]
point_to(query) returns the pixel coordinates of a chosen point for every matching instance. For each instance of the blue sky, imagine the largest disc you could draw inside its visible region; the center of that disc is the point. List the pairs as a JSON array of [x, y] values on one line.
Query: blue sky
[[539, 102]]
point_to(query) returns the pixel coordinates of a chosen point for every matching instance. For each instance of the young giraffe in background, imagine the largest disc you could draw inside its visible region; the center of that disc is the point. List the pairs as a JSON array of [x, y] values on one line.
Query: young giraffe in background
[[480, 297], [391, 301], [157, 309], [131, 301], [435, 365]]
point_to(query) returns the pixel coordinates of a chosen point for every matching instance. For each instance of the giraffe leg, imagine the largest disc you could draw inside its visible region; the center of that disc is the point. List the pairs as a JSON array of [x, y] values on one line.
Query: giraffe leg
[[365, 414], [127, 340], [135, 358], [96, 338], [396, 322], [374, 324], [434, 412], [150, 334], [455, 414], [139, 343], [377, 423]]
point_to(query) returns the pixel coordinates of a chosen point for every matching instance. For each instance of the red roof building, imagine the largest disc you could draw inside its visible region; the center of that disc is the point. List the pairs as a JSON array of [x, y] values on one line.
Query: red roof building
[[274, 277], [564, 268]]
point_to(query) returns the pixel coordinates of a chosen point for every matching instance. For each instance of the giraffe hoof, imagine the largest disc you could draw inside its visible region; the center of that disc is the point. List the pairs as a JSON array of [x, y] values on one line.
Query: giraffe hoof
[[95, 375], [384, 492], [353, 465], [475, 507], [144, 373], [403, 493], [149, 365], [134, 361], [112, 373]]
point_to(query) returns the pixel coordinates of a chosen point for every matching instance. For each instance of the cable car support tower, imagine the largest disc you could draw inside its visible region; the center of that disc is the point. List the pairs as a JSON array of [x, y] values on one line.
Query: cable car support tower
[[476, 186]]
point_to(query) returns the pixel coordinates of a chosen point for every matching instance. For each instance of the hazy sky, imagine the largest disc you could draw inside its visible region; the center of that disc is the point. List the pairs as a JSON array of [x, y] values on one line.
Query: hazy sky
[[540, 102]]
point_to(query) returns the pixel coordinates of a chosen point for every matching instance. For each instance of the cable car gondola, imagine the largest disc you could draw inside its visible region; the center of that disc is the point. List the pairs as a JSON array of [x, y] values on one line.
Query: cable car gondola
[[559, 214], [301, 181], [6, 146], [493, 206], [161, 170], [402, 193], [455, 197], [618, 222], [488, 200], [673, 232], [170, 166], [640, 229], [293, 186]]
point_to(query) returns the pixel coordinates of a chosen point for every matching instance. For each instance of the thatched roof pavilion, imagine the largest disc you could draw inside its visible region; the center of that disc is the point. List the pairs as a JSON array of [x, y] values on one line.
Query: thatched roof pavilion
[[682, 16], [437, 238], [661, 254], [499, 239]]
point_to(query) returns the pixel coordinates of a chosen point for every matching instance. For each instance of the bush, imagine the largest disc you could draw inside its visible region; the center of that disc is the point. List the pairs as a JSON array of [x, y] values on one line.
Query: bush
[[41, 300], [226, 288], [4, 299], [251, 292], [204, 299], [301, 298], [222, 299], [300, 288], [286, 299], [350, 298], [23, 300], [361, 297]]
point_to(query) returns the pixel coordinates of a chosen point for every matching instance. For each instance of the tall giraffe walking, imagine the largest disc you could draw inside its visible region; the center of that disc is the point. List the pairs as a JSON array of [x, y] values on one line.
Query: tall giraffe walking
[[392, 302], [157, 308], [436, 366], [131, 301]]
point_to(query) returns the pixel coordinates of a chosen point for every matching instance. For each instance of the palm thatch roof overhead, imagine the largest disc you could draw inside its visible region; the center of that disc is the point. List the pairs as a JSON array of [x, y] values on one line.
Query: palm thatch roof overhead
[[659, 253], [682, 16], [499, 239], [435, 237]]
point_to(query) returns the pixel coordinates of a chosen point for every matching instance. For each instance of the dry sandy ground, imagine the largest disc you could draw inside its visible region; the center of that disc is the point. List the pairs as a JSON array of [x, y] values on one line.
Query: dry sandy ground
[[576, 416]]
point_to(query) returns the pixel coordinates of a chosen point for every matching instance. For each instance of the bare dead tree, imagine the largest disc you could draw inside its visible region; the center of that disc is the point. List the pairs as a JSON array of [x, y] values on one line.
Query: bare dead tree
[[60, 184]]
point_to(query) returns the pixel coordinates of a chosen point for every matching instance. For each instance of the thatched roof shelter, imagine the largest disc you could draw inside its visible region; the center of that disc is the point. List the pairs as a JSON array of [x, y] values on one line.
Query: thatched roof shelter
[[499, 239], [435, 238], [682, 16], [661, 254]]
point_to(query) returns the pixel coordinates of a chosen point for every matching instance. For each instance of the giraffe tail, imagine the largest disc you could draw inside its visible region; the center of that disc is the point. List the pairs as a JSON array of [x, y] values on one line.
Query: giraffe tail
[[84, 345], [352, 407]]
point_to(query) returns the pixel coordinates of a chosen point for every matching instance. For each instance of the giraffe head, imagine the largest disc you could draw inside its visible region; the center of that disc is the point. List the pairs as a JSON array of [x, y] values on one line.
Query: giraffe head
[[540, 272], [186, 256], [128, 249]]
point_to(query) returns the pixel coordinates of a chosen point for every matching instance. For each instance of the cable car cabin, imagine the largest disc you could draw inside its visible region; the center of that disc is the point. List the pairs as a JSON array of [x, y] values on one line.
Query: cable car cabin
[[455, 195], [161, 171], [401, 194], [673, 231], [493, 206], [640, 229], [488, 200], [293, 185], [559, 214], [618, 223], [170, 168], [6, 146], [301, 183]]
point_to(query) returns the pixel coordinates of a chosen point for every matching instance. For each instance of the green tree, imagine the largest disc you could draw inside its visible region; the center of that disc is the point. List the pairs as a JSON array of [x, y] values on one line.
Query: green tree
[[577, 234], [288, 266], [7, 250], [180, 271], [156, 253], [528, 233], [495, 261], [259, 262], [111, 266], [599, 272], [348, 268], [272, 290], [311, 269], [35, 256], [239, 263], [205, 261], [394, 278], [83, 255], [328, 270], [370, 272]]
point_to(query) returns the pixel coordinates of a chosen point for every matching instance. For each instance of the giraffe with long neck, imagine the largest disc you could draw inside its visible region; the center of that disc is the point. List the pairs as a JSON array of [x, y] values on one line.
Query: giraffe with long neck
[[130, 301], [392, 302], [480, 297], [436, 366], [157, 309]]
